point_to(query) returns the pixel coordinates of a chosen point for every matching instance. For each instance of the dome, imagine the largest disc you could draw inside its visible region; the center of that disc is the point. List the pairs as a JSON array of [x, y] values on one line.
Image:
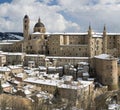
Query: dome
[[39, 24]]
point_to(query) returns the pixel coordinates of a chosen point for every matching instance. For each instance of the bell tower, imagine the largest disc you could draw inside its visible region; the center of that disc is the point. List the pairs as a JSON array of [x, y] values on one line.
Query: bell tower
[[26, 27], [104, 40], [90, 50]]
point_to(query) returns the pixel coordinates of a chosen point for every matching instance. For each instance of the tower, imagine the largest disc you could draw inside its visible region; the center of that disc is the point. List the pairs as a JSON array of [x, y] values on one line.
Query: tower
[[104, 40], [90, 42], [26, 27]]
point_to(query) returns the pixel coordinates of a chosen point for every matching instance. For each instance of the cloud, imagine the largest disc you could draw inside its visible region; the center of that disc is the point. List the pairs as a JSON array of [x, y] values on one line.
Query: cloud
[[12, 14], [61, 15], [97, 12]]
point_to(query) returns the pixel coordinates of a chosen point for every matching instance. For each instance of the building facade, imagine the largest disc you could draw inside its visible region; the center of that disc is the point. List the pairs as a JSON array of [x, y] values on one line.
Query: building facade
[[106, 70], [86, 44]]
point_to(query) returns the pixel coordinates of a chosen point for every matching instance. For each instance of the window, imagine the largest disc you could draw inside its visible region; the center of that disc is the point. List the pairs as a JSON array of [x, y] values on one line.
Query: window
[[25, 27], [25, 21], [97, 41], [30, 47]]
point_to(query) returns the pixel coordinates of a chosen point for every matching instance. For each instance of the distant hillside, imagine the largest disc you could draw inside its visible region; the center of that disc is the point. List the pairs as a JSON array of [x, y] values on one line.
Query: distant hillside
[[11, 36]]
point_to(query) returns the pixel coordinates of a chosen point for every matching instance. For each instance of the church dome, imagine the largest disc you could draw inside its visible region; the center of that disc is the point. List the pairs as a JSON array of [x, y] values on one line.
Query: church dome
[[39, 24]]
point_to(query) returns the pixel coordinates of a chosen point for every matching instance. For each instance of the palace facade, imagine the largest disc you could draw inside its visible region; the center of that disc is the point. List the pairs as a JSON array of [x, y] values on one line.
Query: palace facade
[[86, 44]]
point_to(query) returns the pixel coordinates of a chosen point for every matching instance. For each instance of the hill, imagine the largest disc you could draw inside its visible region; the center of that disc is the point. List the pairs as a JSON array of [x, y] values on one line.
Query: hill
[[11, 36]]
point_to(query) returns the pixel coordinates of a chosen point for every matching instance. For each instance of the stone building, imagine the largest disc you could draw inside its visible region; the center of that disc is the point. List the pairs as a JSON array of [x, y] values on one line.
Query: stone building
[[106, 70], [2, 60], [13, 58], [36, 59], [86, 44], [71, 90]]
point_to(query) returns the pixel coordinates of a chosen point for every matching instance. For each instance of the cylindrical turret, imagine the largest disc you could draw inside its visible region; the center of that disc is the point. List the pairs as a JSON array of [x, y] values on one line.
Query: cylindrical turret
[[104, 40], [26, 27]]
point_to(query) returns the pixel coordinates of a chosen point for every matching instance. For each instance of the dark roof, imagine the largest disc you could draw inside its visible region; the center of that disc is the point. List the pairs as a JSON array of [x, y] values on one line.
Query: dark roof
[[39, 24], [26, 16]]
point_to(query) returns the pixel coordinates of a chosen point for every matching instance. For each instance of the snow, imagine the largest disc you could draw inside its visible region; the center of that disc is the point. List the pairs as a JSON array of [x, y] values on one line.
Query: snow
[[102, 56], [82, 63], [37, 33], [58, 33], [97, 35], [42, 68], [113, 107], [4, 85], [16, 82], [51, 68], [85, 74], [11, 53], [17, 36], [4, 69], [20, 75], [14, 67], [59, 83], [77, 58], [5, 43], [35, 55], [27, 92], [113, 33], [67, 78]]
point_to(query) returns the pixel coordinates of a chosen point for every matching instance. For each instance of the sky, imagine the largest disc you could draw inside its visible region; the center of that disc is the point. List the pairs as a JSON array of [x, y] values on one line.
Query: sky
[[61, 15]]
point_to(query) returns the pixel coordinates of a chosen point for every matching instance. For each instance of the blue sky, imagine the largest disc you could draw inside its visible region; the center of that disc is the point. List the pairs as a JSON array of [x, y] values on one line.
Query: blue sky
[[3, 1], [61, 15]]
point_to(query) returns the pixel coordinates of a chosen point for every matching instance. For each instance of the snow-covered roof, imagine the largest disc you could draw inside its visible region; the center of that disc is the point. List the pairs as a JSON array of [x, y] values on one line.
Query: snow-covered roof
[[58, 33], [51, 68], [20, 75], [58, 83], [67, 78], [37, 33], [113, 107], [57, 57], [4, 85], [28, 71], [44, 94], [86, 74], [27, 92], [12, 53], [16, 36], [4, 69], [83, 63], [5, 43], [16, 82], [14, 67], [97, 35], [35, 55], [42, 68], [113, 33], [104, 56]]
